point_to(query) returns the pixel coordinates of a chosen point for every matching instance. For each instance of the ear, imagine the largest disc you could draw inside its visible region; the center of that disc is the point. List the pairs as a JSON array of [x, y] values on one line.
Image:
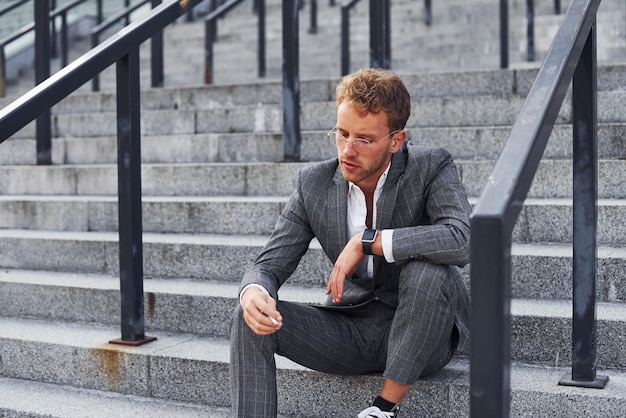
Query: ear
[[398, 139]]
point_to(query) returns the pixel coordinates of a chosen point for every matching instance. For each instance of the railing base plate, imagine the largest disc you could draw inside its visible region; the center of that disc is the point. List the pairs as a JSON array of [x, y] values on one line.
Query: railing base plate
[[599, 383], [143, 341]]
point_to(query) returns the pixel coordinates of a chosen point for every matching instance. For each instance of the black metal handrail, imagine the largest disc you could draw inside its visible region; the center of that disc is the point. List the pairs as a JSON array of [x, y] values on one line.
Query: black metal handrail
[[571, 57], [60, 11], [97, 30], [122, 49], [210, 36]]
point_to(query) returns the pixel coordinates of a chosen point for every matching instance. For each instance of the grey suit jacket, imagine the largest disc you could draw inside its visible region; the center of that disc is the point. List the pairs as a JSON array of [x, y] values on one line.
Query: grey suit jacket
[[422, 200]]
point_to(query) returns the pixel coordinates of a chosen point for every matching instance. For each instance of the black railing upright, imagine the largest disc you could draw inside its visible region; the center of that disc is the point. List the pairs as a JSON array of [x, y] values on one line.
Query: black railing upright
[[210, 36], [42, 71], [123, 50], [571, 58], [291, 81], [530, 30], [345, 35]]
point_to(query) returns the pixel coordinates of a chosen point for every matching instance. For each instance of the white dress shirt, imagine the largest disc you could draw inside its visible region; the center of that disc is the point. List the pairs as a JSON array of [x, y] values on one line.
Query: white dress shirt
[[357, 212]]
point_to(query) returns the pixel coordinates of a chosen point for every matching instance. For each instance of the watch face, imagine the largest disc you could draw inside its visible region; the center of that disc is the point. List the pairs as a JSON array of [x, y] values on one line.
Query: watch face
[[368, 235]]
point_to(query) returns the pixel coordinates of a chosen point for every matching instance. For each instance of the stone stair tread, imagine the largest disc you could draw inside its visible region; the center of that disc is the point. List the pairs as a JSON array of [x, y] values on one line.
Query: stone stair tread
[[180, 286], [543, 308], [545, 249], [165, 199], [534, 201], [533, 249], [34, 399]]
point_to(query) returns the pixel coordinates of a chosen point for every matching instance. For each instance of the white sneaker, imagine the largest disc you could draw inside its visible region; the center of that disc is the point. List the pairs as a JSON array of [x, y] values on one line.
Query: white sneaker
[[375, 412]]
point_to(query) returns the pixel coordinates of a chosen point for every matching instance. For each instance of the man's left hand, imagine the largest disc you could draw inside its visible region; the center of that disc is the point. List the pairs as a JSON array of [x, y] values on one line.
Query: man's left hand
[[345, 265]]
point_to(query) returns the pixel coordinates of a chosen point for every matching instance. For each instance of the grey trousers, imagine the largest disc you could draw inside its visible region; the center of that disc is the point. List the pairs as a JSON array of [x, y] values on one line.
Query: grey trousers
[[415, 339]]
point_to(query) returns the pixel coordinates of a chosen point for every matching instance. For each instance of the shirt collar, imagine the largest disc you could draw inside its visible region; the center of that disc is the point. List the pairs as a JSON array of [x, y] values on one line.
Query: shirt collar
[[381, 180]]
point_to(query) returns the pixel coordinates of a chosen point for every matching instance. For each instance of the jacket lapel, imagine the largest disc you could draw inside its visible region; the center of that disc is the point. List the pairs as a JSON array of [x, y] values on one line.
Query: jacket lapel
[[338, 213], [387, 200]]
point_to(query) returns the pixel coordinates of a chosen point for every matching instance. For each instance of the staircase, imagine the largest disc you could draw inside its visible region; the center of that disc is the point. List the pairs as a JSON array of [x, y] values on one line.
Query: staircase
[[213, 185]]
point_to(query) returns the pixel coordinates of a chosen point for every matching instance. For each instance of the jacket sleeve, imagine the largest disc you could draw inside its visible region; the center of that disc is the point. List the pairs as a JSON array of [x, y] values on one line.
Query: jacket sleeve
[[438, 231]]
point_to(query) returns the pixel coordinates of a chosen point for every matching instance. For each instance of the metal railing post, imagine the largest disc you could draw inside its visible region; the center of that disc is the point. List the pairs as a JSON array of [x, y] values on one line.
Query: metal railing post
[[387, 34], [491, 317], [530, 30], [428, 12], [261, 37], [157, 76], [95, 81], [504, 34], [291, 81], [53, 32], [99, 13], [313, 23], [209, 31], [42, 72], [129, 196], [345, 39], [2, 64], [64, 40], [377, 41], [585, 187], [127, 18]]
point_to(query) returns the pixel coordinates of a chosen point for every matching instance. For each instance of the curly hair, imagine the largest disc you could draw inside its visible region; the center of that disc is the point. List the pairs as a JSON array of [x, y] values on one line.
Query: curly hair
[[370, 90]]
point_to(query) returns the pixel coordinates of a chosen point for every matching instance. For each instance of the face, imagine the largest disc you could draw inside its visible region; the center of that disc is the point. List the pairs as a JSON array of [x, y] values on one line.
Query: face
[[364, 170]]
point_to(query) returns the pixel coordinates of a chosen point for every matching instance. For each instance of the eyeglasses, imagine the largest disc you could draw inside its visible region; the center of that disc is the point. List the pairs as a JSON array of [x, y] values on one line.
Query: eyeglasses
[[362, 146]]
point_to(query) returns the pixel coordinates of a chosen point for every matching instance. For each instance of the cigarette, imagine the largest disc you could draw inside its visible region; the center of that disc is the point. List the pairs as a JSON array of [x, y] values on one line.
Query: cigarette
[[275, 322]]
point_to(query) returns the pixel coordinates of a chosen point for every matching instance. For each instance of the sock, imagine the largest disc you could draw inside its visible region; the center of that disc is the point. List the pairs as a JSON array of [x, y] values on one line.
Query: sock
[[383, 404]]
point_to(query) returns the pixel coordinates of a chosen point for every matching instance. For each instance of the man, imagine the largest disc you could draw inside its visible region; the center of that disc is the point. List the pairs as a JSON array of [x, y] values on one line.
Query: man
[[393, 219]]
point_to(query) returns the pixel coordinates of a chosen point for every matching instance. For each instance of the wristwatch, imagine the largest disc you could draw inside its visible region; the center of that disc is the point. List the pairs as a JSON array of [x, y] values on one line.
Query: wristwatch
[[367, 239]]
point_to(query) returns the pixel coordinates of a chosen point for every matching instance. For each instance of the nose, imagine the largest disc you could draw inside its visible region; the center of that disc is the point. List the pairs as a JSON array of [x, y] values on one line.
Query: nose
[[348, 148]]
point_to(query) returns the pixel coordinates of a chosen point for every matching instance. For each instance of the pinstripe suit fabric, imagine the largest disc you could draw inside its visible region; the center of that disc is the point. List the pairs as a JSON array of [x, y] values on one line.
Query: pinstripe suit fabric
[[405, 322]]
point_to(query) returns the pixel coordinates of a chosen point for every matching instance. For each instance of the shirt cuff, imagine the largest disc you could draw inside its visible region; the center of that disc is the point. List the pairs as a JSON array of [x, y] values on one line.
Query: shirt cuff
[[248, 286], [387, 241]]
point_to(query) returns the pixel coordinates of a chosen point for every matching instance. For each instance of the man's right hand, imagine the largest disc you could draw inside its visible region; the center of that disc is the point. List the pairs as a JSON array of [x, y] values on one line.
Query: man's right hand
[[259, 309]]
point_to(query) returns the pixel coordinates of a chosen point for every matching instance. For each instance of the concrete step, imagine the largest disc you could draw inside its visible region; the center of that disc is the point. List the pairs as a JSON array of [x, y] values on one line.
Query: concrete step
[[541, 327], [553, 179], [476, 142], [213, 215], [28, 398], [541, 220], [538, 270], [188, 368]]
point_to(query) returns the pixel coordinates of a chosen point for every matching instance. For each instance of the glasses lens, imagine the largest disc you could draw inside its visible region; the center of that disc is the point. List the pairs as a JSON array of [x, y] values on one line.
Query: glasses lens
[[360, 145]]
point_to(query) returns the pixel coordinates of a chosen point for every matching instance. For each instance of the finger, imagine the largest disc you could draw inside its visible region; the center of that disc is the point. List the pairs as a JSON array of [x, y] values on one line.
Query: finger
[[260, 323], [336, 286]]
